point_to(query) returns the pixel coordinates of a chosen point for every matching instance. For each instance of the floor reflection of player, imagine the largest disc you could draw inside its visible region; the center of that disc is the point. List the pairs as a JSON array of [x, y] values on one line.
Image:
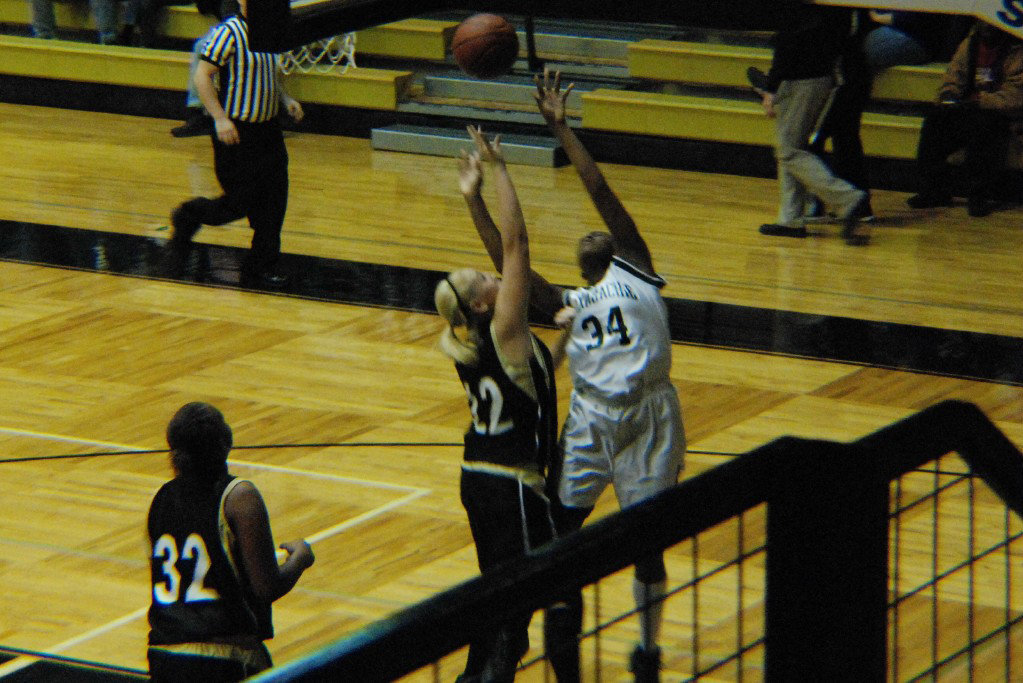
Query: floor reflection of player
[[214, 567]]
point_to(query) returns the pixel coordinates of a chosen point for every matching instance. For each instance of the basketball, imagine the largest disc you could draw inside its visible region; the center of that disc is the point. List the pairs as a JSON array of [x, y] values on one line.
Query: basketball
[[485, 45]]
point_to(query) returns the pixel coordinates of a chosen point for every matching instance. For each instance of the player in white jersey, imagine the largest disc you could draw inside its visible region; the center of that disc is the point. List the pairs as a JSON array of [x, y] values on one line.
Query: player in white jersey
[[624, 424]]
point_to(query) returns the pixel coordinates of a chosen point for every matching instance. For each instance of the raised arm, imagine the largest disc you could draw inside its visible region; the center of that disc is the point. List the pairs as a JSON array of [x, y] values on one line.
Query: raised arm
[[629, 244], [247, 515], [511, 309], [545, 296]]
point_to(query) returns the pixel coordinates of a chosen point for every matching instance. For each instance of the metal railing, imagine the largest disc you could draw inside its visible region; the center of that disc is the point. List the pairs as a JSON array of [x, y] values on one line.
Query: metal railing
[[823, 580]]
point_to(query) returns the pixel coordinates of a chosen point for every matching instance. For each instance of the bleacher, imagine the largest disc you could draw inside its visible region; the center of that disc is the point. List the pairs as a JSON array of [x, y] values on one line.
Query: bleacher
[[663, 89]]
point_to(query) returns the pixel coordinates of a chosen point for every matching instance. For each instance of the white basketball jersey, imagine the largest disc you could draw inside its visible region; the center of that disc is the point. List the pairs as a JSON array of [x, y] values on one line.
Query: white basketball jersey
[[620, 345]]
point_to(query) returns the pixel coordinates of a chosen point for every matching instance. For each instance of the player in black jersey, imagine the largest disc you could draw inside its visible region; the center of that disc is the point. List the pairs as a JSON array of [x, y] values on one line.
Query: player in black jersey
[[214, 569], [509, 380]]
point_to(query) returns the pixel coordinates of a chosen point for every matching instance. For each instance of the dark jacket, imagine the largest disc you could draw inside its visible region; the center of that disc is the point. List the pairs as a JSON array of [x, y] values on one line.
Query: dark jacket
[[809, 45], [1004, 93]]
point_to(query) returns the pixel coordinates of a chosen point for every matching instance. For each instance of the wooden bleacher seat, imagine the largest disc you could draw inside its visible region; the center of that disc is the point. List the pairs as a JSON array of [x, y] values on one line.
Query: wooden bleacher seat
[[735, 121], [715, 64], [406, 39], [168, 69]]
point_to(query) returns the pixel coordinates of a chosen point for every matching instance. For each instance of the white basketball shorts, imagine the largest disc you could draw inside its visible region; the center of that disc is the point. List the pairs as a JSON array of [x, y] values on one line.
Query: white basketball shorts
[[638, 448]]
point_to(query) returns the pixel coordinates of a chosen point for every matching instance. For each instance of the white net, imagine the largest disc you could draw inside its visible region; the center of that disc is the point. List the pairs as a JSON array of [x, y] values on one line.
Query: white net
[[336, 53]]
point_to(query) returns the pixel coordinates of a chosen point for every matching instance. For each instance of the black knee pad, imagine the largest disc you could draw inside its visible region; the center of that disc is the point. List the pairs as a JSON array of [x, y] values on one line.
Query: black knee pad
[[651, 569]]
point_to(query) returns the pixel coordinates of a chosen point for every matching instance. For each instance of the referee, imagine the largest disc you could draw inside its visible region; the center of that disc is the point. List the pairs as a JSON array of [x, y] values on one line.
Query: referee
[[249, 156]]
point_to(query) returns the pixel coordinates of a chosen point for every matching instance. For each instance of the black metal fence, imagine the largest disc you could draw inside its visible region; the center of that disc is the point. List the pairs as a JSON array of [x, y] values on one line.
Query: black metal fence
[[800, 560]]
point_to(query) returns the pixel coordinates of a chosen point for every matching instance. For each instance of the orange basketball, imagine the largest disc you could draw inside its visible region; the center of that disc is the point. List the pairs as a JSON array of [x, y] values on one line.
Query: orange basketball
[[485, 45]]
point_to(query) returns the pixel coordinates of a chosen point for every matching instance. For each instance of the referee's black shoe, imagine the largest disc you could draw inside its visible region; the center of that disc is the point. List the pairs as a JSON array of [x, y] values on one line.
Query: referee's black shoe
[[183, 226]]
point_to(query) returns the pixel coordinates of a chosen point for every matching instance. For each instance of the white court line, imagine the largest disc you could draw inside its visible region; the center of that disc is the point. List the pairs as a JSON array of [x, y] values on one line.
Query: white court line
[[324, 475], [414, 493], [27, 660]]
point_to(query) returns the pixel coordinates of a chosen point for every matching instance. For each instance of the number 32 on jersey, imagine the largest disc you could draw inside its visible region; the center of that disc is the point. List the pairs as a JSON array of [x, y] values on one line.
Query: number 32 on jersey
[[169, 591]]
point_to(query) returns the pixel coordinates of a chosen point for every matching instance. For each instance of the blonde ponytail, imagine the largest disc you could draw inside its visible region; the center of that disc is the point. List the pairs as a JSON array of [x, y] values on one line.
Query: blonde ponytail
[[451, 306]]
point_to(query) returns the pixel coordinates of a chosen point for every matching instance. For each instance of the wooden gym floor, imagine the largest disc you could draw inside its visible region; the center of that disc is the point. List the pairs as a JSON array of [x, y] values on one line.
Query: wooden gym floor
[[347, 417]]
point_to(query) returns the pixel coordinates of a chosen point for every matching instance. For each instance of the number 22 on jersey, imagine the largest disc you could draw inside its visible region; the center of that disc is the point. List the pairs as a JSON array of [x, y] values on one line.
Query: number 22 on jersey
[[169, 591]]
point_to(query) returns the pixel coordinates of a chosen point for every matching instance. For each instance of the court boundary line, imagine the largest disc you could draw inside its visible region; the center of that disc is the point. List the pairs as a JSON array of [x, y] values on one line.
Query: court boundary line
[[413, 493]]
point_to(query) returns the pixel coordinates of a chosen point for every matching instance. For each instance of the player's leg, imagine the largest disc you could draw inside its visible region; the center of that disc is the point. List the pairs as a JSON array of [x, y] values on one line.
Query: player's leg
[[269, 202], [477, 501], [562, 620], [234, 167], [497, 520], [649, 464], [648, 587]]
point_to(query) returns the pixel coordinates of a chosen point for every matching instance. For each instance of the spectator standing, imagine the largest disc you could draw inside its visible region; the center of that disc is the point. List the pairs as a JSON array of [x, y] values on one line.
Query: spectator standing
[[980, 96], [249, 156], [104, 12], [841, 123], [799, 85], [214, 569]]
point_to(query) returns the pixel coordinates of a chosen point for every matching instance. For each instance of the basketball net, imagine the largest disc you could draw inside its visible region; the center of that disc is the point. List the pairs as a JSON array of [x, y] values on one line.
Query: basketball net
[[335, 53]]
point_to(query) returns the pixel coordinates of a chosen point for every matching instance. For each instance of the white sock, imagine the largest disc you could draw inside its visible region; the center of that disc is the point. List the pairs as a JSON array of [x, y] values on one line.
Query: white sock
[[650, 610]]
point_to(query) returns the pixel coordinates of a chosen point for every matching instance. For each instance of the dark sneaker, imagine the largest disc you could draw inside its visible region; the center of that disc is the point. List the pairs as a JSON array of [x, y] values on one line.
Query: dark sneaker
[[183, 226], [759, 80], [196, 124], [645, 665], [775, 230], [852, 223], [929, 200]]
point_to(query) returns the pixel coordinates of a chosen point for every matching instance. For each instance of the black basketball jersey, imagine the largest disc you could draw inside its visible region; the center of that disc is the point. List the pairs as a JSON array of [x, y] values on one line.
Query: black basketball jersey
[[199, 590], [514, 423]]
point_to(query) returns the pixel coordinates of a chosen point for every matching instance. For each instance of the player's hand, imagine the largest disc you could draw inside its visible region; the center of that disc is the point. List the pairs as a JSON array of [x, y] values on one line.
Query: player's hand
[[489, 150], [300, 552], [294, 108], [550, 98], [227, 132], [470, 173], [767, 102], [565, 317]]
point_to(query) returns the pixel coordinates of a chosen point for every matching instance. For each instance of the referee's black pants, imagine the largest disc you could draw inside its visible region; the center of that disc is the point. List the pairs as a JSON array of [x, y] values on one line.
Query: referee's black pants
[[254, 177]]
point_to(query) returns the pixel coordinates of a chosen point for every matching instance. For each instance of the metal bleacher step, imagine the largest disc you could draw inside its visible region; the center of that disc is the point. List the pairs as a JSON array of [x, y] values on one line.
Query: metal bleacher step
[[517, 92], [529, 150]]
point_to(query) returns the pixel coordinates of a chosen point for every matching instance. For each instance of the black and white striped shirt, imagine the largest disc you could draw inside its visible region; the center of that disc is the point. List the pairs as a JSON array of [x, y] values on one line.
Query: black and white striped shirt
[[249, 89]]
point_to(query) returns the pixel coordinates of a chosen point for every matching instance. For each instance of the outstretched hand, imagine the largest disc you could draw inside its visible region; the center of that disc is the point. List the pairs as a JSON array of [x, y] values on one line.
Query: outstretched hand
[[488, 150], [550, 98], [470, 173]]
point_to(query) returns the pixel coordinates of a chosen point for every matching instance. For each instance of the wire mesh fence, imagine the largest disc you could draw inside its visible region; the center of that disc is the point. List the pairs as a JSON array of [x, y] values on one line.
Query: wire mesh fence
[[887, 559]]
